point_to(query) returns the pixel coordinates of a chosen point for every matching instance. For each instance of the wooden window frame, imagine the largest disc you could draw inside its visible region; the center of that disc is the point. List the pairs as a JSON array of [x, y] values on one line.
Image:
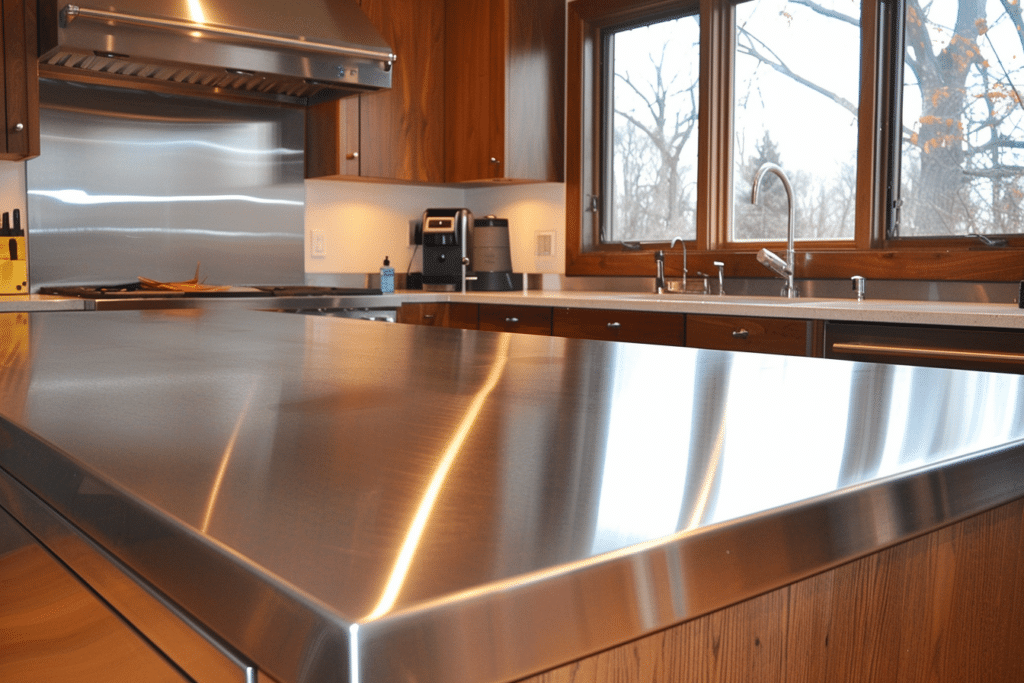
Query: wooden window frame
[[869, 254]]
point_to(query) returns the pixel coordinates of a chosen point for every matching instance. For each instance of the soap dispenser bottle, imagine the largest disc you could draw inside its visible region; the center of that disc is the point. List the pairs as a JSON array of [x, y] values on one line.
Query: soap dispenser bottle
[[387, 277]]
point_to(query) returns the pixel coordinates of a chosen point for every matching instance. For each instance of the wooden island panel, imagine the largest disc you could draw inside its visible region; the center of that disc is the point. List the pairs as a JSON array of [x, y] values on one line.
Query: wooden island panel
[[944, 607]]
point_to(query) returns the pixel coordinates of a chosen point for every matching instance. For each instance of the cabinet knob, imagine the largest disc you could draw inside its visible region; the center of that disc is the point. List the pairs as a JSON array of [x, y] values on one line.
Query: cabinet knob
[[740, 333], [352, 155], [18, 127], [494, 161]]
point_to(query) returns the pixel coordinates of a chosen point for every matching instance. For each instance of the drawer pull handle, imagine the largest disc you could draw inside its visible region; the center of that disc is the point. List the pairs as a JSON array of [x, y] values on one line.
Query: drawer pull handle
[[428, 316], [512, 320], [614, 326], [923, 352], [740, 333]]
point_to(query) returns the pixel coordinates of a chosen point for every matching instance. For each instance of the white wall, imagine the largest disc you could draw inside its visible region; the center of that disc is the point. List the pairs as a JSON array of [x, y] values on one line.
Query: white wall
[[361, 222]]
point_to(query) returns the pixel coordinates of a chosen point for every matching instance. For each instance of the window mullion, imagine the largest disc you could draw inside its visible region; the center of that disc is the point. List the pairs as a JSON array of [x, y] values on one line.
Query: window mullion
[[714, 206]]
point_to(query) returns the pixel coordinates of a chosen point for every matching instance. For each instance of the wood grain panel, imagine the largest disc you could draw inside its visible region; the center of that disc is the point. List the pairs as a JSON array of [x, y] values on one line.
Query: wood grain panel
[[760, 335], [53, 629], [534, 133], [944, 607], [21, 80], [731, 646], [504, 90], [401, 132], [471, 61], [522, 319], [461, 316], [627, 326]]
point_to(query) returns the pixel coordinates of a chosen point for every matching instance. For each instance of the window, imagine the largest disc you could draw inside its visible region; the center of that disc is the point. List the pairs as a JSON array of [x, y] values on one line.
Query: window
[[900, 127], [795, 104], [962, 152], [651, 115]]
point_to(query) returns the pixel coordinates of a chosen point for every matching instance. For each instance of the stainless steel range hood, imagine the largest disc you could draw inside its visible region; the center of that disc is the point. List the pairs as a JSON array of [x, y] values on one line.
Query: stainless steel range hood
[[311, 50]]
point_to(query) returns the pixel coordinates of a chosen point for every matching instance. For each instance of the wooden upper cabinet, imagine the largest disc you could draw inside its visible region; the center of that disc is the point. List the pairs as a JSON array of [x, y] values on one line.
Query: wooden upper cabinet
[[21, 81], [504, 90], [398, 133]]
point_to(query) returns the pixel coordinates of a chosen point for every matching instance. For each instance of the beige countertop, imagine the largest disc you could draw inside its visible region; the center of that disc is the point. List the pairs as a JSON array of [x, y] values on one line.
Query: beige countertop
[[996, 315]]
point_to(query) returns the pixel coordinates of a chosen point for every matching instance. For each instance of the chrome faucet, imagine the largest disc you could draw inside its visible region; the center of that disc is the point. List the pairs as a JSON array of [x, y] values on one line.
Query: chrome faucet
[[766, 257], [659, 263]]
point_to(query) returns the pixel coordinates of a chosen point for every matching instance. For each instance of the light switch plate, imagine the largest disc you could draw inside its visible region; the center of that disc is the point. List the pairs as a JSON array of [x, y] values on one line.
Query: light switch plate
[[317, 246]]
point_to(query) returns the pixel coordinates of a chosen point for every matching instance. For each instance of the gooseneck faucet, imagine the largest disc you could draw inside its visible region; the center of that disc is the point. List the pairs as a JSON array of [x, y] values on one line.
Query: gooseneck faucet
[[766, 257], [659, 263]]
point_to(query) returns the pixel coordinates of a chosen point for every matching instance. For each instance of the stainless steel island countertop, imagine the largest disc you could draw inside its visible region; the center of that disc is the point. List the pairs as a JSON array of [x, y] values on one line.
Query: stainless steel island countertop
[[342, 500]]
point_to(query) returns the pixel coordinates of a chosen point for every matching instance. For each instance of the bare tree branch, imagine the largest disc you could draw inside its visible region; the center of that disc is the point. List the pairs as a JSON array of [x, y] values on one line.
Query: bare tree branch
[[826, 12], [996, 172], [751, 49]]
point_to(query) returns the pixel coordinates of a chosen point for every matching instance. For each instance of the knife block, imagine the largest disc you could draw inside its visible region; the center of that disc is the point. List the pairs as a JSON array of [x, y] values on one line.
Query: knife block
[[13, 265]]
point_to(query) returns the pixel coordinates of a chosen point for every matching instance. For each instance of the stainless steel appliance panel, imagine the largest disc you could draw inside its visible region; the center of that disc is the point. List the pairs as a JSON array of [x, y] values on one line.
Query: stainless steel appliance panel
[[147, 184], [307, 49]]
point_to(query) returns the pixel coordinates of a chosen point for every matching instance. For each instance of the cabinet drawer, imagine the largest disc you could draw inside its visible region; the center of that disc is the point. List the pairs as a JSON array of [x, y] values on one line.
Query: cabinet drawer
[[628, 326], [761, 335], [943, 347], [462, 316], [524, 319]]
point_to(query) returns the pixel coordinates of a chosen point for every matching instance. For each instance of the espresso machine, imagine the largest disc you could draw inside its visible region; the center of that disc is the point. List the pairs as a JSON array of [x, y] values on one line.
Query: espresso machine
[[446, 235]]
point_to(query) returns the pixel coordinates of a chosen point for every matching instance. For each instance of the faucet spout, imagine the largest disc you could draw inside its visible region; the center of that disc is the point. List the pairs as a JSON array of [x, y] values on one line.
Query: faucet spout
[[766, 257]]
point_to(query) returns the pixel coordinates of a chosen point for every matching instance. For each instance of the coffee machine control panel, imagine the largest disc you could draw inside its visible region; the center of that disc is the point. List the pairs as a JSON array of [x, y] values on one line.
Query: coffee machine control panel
[[440, 231]]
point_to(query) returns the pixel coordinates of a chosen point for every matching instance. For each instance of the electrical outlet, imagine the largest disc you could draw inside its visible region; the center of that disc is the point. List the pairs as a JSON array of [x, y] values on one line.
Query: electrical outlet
[[317, 245]]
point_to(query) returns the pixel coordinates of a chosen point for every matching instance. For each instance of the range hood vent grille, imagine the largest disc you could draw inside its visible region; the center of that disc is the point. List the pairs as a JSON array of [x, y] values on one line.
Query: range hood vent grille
[[140, 41]]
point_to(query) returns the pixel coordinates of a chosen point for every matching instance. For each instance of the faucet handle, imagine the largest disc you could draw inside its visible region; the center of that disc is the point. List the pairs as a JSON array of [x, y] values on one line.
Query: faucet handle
[[858, 286], [721, 277]]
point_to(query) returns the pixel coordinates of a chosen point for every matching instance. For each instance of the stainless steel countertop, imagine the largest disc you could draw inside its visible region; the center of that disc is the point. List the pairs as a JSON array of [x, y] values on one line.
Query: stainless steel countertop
[[12, 303], [343, 500]]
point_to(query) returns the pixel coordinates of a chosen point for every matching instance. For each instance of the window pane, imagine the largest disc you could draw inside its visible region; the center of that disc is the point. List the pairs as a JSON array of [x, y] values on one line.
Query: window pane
[[963, 145], [796, 96], [653, 105]]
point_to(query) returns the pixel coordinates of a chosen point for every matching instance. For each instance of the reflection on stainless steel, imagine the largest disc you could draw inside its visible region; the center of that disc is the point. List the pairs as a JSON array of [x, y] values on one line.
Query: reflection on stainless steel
[[445, 505], [52, 628], [172, 632], [149, 185]]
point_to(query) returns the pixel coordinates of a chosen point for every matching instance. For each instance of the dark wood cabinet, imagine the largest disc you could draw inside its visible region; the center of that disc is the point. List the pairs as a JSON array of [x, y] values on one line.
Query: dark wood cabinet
[[504, 90], [394, 134], [521, 319], [462, 316], [21, 81], [782, 336], [628, 326], [935, 346]]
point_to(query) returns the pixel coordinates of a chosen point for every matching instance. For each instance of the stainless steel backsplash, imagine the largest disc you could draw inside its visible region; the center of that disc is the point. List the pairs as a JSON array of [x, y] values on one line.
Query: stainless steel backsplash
[[133, 183]]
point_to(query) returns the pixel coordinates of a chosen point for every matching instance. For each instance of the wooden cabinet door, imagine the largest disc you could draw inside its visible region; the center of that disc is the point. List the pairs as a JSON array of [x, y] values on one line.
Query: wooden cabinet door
[[761, 335], [401, 130], [21, 81], [398, 133], [629, 326], [504, 87], [462, 316], [523, 319]]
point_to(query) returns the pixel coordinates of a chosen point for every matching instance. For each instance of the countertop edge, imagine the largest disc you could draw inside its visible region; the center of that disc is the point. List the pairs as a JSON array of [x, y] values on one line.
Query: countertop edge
[[879, 311], [690, 574]]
